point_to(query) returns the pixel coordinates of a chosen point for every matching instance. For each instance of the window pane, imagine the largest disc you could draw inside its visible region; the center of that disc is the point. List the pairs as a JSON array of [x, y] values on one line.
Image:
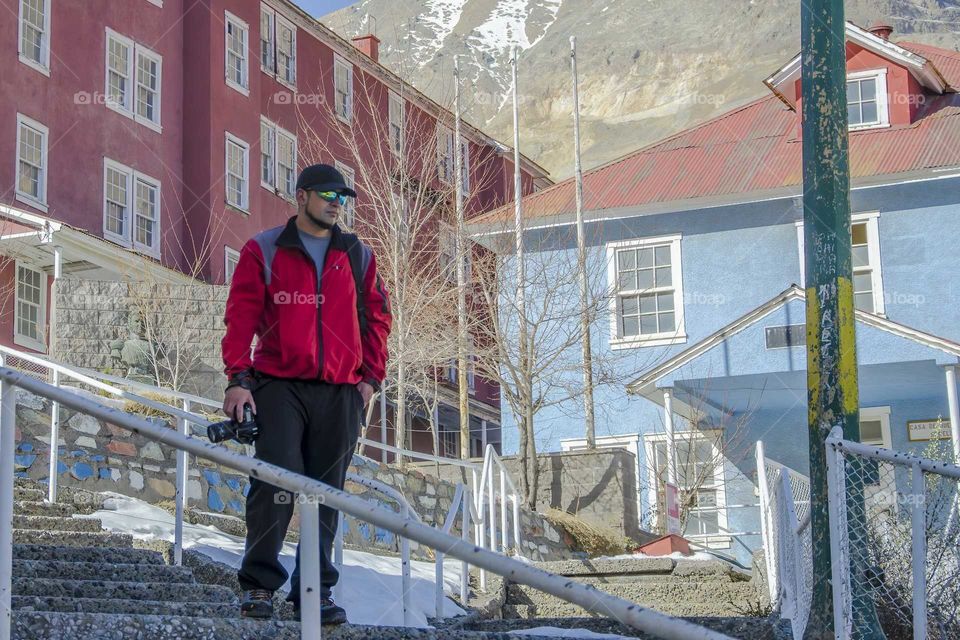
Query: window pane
[[115, 192], [266, 40], [853, 91], [627, 259], [648, 324], [648, 304], [147, 88], [667, 322], [266, 153], [31, 43], [665, 301], [868, 89], [871, 432], [663, 256], [862, 282], [861, 256], [853, 114], [645, 279], [864, 302], [628, 281], [645, 258], [859, 233], [869, 112], [631, 326], [664, 277], [118, 63], [629, 306]]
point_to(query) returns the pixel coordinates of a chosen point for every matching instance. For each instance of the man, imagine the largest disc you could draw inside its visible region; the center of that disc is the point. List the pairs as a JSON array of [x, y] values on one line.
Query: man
[[311, 295]]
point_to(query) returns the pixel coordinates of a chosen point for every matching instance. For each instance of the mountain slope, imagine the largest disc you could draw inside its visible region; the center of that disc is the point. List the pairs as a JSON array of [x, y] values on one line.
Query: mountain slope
[[647, 67]]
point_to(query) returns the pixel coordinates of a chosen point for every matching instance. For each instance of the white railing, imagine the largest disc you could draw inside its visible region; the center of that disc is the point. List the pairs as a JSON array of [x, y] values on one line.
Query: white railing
[[785, 530], [894, 540], [316, 492]]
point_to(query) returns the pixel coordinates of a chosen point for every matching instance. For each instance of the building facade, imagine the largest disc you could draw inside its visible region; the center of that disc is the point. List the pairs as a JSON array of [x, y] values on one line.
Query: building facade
[[697, 242], [149, 139]]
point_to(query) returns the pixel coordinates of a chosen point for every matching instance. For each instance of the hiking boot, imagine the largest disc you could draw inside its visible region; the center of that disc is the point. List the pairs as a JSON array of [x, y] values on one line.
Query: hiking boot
[[330, 612], [257, 603]]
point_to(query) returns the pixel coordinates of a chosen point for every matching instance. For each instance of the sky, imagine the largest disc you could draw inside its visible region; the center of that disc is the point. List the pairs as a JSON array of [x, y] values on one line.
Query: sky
[[318, 8]]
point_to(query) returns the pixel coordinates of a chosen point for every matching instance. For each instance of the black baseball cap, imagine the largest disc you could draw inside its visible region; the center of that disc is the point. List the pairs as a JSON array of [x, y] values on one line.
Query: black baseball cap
[[323, 177]]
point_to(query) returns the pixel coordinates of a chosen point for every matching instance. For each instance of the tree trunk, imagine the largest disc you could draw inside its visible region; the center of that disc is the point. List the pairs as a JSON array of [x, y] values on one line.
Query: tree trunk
[[533, 468]]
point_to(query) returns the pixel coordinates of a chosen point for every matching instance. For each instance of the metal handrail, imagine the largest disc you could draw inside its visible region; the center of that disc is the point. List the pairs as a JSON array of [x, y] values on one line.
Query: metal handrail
[[314, 492]]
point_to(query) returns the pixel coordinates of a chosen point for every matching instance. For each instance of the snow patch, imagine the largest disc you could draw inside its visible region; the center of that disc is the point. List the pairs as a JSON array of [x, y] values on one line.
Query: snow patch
[[369, 587], [555, 632]]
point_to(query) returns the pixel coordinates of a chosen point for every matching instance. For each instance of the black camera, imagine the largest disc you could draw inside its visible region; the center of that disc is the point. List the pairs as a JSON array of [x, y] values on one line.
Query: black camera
[[244, 432]]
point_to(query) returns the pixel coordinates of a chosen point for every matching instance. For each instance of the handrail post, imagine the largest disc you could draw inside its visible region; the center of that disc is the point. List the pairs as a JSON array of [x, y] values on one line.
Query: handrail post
[[183, 477], [8, 418], [465, 536], [492, 509], [309, 568], [918, 523], [438, 576], [54, 442], [503, 509], [836, 511], [516, 525], [338, 543], [405, 569]]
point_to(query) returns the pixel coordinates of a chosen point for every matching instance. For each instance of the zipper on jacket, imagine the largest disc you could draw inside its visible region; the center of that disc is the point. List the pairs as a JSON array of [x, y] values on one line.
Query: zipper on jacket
[[318, 270]]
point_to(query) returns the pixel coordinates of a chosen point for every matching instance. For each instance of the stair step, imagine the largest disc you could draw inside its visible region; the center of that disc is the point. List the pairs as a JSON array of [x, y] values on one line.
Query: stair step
[[704, 591], [561, 609], [751, 628], [143, 607], [72, 538], [122, 590], [101, 571], [49, 625], [33, 494], [101, 555], [40, 508], [52, 523]]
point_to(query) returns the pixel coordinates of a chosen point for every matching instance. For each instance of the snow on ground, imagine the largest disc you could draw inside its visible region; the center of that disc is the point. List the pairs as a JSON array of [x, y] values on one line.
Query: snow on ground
[[369, 587], [556, 632], [676, 555]]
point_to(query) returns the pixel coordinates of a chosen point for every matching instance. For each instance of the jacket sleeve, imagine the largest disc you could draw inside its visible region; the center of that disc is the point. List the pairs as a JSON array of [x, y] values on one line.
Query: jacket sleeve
[[379, 322], [245, 305]]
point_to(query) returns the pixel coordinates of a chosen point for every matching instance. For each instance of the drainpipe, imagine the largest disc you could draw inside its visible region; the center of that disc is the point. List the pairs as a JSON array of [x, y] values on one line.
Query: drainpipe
[[951, 375]]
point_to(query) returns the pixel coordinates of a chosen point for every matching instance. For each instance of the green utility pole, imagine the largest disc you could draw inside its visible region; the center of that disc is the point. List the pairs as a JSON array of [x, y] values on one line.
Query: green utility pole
[[832, 394]]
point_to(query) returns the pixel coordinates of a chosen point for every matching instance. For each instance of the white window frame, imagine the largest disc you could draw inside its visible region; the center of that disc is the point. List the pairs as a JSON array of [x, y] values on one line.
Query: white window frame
[[129, 106], [159, 3], [713, 540], [129, 237], [872, 220], [280, 21], [21, 339], [342, 67], [42, 65], [679, 334], [883, 109], [230, 256], [40, 201], [349, 209], [274, 133], [244, 205], [243, 86], [445, 157], [395, 120], [270, 65], [881, 415]]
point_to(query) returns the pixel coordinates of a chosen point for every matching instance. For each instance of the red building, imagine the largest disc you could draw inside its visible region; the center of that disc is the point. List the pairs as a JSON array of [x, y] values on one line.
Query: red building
[[149, 139]]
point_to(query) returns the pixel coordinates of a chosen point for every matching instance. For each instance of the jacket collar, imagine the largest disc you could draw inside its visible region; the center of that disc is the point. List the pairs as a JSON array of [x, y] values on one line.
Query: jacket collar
[[290, 236]]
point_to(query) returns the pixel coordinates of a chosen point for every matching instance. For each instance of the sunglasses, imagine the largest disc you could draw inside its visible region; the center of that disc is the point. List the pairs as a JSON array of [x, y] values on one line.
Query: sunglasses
[[332, 196]]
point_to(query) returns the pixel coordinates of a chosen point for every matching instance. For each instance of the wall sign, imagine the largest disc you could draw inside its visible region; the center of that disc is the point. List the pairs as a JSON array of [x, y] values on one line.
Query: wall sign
[[791, 335], [924, 430]]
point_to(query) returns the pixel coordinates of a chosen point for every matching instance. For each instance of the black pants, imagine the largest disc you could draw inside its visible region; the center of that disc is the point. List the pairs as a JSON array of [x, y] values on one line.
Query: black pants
[[310, 428]]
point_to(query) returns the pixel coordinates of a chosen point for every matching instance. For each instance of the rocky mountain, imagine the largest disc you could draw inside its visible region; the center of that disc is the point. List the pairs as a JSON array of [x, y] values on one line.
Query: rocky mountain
[[647, 67]]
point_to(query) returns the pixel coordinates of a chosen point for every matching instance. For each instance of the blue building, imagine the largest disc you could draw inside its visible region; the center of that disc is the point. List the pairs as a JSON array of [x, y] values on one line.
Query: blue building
[[697, 242]]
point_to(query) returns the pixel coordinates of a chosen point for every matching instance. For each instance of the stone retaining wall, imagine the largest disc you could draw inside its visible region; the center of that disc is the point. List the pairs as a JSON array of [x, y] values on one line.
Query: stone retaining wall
[[99, 456]]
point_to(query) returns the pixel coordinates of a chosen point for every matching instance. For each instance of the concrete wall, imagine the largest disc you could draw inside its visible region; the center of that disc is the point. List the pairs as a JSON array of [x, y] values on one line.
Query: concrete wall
[[598, 486]]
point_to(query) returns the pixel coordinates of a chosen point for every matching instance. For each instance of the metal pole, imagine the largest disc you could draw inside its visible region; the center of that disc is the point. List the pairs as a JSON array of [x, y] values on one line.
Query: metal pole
[[483, 437], [8, 417], [492, 509], [671, 444], [837, 516], [338, 543], [405, 570], [954, 410], [769, 553], [57, 273], [503, 510], [463, 387], [438, 577], [832, 392], [582, 260], [465, 537], [516, 524], [918, 518], [309, 569], [383, 425], [54, 443]]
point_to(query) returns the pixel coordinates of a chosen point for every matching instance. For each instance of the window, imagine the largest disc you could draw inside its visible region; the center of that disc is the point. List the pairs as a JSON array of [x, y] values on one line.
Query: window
[[450, 442], [133, 80], [34, 37], [879, 477], [349, 209], [236, 38], [268, 42], [230, 259], [343, 88], [448, 254], [278, 46], [452, 369], [131, 208], [445, 154], [647, 309], [700, 471], [867, 99], [31, 162], [867, 277], [237, 172], [395, 133], [278, 159], [31, 302]]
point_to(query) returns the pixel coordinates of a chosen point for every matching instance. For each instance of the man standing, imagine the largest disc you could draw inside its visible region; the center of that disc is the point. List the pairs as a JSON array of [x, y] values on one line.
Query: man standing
[[311, 295]]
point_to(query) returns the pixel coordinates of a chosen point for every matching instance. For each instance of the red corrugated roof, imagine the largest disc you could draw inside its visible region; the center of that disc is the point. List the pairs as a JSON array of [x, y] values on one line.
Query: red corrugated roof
[[754, 148]]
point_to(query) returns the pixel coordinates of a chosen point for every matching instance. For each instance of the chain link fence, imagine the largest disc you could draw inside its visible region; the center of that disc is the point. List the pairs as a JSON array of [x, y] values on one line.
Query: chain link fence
[[896, 542]]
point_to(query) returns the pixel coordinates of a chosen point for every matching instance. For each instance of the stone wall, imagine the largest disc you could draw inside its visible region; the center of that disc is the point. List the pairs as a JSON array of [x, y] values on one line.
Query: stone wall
[[99, 456], [597, 486], [184, 322]]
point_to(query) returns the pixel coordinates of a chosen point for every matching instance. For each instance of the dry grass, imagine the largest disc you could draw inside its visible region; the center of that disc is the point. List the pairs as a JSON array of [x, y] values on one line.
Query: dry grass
[[132, 406], [589, 538]]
